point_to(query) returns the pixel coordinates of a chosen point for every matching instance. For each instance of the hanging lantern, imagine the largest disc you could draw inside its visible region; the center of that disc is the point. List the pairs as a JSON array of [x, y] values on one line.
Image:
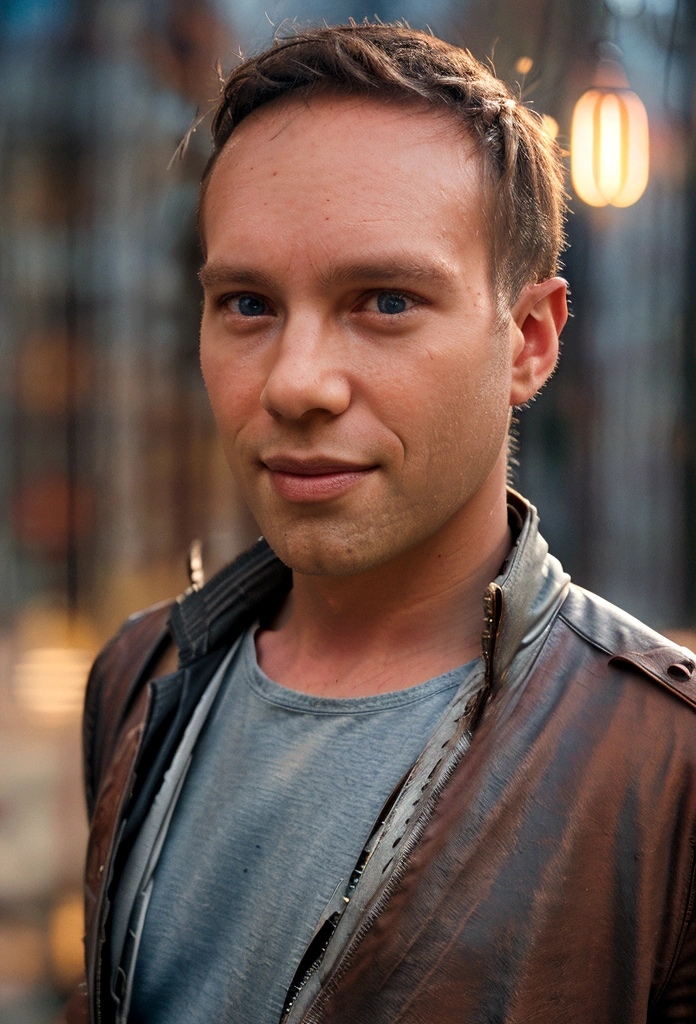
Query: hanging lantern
[[609, 143]]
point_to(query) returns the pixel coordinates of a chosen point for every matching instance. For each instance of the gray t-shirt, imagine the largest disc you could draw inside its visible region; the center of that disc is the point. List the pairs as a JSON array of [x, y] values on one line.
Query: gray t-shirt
[[279, 799]]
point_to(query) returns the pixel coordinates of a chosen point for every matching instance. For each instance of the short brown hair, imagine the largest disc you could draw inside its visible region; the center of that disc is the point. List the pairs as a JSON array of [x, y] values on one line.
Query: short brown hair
[[522, 164]]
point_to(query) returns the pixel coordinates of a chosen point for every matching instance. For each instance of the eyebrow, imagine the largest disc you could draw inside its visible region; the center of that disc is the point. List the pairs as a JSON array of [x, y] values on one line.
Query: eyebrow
[[212, 275], [388, 270]]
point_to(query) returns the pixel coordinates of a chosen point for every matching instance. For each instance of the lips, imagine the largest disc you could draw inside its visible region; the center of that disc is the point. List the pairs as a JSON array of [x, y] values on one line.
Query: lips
[[317, 478]]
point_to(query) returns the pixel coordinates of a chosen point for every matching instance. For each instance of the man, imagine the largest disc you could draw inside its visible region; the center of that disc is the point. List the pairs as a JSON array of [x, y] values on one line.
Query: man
[[404, 771]]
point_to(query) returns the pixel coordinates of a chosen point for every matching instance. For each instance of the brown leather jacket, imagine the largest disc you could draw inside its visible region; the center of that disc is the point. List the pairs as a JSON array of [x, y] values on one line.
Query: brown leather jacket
[[537, 865]]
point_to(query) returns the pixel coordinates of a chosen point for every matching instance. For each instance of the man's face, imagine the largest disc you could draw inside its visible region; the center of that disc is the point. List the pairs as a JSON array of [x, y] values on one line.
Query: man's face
[[348, 340]]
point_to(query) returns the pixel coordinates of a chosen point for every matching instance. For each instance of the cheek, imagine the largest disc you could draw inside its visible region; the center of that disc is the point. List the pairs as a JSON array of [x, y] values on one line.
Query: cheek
[[450, 405], [233, 390]]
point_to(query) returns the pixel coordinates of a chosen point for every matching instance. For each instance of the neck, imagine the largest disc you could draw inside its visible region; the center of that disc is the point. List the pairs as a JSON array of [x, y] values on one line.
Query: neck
[[398, 624]]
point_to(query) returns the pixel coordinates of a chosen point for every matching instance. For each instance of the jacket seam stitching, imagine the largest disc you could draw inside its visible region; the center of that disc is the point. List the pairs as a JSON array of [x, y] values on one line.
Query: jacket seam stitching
[[228, 589], [198, 613], [233, 588], [584, 636]]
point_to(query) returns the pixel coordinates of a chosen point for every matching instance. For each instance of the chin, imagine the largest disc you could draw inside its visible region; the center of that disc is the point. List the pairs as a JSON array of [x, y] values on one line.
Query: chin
[[327, 550]]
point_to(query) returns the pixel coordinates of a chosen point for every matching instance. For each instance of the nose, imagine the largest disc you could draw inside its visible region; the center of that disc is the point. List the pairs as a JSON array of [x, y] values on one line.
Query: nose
[[306, 375]]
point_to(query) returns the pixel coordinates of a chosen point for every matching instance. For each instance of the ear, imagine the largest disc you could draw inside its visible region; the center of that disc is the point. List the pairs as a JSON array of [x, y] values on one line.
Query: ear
[[538, 316]]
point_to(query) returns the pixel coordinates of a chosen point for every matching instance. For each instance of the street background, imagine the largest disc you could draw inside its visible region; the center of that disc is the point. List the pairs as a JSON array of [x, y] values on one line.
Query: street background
[[109, 463]]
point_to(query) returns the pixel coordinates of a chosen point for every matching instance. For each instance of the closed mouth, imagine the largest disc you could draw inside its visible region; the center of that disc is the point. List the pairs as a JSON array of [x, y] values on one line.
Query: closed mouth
[[317, 479], [318, 466]]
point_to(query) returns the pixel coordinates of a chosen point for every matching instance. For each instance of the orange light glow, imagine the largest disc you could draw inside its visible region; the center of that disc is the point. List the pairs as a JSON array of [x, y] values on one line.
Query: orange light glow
[[65, 931], [550, 126], [609, 147], [51, 680]]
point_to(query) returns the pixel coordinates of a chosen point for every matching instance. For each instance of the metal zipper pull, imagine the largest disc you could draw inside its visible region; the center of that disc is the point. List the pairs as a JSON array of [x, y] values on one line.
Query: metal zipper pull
[[195, 565]]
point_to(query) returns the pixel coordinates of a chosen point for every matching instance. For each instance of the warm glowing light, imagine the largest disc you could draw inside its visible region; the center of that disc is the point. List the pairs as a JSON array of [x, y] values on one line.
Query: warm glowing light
[[550, 125], [22, 954], [524, 65], [609, 147], [65, 931], [51, 680], [54, 652]]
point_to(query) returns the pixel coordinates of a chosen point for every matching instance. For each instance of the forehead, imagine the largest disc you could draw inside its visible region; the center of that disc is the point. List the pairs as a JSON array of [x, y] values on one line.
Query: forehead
[[338, 171]]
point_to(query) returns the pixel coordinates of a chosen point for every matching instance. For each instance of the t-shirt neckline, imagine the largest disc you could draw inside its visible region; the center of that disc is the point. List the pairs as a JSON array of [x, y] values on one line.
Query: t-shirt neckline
[[296, 700]]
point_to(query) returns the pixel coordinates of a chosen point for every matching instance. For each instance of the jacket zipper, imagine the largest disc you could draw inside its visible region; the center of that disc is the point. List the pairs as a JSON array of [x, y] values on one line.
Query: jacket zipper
[[329, 926], [493, 612], [315, 1014]]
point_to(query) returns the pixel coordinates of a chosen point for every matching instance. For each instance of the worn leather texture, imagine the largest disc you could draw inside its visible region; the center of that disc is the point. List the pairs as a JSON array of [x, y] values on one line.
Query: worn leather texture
[[554, 883], [550, 877], [113, 682], [116, 709]]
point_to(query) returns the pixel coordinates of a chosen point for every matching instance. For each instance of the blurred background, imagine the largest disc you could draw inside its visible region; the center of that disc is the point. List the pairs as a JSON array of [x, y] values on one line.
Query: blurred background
[[109, 463]]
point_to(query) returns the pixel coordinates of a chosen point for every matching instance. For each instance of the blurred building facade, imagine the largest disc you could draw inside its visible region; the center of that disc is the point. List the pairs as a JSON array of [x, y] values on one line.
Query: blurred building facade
[[111, 465]]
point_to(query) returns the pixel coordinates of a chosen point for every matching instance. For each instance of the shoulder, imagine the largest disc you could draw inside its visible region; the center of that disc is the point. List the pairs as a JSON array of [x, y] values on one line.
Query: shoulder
[[113, 681], [198, 622], [630, 644]]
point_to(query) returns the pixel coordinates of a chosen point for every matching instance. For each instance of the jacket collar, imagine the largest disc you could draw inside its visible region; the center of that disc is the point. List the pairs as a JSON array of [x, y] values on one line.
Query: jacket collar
[[519, 603], [230, 601], [532, 586]]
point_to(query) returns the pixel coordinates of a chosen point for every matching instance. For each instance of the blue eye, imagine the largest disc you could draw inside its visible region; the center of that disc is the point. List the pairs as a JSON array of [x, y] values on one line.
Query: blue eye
[[391, 302], [251, 305]]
